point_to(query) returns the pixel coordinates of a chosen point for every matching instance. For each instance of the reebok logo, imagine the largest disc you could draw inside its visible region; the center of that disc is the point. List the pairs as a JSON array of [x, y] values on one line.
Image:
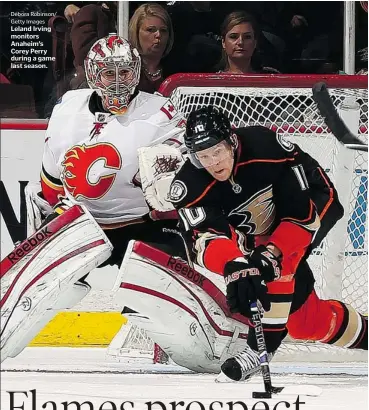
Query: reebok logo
[[30, 243], [183, 269]]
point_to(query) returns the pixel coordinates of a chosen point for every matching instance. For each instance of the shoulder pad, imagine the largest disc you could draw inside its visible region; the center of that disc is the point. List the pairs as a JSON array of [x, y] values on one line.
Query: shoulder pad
[[73, 104], [76, 94], [168, 109], [262, 142], [160, 110], [189, 185], [73, 100]]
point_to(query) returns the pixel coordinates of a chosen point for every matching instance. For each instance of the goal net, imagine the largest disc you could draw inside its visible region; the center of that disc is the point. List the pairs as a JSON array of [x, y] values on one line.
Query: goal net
[[284, 103]]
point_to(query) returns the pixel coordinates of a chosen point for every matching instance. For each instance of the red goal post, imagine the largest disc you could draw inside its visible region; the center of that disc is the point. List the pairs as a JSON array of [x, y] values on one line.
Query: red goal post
[[260, 80], [358, 83]]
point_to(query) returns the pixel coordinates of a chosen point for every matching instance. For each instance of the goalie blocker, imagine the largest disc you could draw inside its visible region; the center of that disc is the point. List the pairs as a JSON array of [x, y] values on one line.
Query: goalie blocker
[[41, 276]]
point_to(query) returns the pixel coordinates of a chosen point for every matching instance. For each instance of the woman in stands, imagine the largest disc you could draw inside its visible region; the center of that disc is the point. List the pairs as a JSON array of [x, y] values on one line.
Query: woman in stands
[[151, 32], [240, 35]]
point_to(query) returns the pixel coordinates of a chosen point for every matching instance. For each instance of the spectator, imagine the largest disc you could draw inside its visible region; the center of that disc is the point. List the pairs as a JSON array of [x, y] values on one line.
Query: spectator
[[70, 12], [198, 45], [151, 32], [240, 35], [197, 48], [91, 23], [313, 32]]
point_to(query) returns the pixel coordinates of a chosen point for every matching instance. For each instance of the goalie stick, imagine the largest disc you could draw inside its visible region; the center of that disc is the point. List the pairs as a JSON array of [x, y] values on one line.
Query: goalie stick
[[307, 390], [333, 120]]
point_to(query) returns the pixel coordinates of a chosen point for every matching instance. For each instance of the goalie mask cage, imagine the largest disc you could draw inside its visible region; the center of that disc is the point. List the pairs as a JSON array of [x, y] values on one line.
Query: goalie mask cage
[[284, 103]]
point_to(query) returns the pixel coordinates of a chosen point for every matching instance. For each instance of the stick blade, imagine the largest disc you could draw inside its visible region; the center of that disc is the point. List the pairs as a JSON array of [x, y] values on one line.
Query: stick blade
[[333, 120], [295, 390], [261, 395]]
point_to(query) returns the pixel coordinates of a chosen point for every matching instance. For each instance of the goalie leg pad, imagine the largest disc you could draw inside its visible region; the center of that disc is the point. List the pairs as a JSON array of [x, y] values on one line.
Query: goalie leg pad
[[42, 268], [176, 312], [65, 300]]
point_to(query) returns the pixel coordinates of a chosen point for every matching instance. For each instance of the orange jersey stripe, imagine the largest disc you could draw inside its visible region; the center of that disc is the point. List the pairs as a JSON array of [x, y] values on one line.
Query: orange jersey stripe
[[202, 195], [331, 198], [264, 160], [312, 208]]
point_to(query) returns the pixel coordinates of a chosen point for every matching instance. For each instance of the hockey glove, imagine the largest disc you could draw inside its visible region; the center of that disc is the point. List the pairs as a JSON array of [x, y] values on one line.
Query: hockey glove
[[268, 264], [245, 284]]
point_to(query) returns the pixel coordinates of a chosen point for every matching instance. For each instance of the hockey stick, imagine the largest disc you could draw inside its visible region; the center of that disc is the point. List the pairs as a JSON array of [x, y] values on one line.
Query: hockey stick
[[263, 355], [308, 390], [333, 120]]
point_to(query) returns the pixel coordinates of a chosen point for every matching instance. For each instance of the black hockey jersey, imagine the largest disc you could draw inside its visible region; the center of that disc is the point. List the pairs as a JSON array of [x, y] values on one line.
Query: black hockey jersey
[[267, 197]]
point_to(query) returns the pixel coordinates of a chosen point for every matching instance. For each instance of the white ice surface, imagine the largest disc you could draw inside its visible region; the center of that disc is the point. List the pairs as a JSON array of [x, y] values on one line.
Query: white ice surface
[[64, 375]]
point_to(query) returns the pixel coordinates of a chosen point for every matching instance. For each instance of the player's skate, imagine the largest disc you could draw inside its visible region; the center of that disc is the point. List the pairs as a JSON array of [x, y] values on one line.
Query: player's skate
[[240, 367]]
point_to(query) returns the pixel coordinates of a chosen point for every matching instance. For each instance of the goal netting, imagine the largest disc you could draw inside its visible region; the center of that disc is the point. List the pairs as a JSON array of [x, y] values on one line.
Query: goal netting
[[284, 104]]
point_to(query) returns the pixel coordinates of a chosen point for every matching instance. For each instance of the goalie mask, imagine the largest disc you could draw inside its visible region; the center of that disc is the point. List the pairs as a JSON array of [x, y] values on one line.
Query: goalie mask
[[208, 137], [113, 68]]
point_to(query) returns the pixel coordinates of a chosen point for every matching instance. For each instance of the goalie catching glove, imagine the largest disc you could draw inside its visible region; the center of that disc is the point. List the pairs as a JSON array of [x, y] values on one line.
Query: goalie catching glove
[[246, 280], [158, 166]]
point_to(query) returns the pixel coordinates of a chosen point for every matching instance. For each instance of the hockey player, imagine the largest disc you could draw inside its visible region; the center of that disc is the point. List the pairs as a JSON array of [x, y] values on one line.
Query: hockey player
[[92, 140], [251, 213], [90, 189]]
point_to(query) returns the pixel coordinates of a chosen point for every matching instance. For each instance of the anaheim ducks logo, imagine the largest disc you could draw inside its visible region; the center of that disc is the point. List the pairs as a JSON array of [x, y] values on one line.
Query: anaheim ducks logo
[[88, 169], [257, 213]]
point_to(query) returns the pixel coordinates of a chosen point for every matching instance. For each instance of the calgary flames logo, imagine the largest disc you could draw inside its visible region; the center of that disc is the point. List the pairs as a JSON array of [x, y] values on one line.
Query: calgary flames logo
[[87, 169]]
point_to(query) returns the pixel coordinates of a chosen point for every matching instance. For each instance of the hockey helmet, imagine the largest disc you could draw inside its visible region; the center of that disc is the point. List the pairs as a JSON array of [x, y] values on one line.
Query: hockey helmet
[[208, 127], [113, 68]]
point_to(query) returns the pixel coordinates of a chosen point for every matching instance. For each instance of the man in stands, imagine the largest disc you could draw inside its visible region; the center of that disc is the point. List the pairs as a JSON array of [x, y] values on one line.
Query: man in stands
[[90, 189], [249, 212]]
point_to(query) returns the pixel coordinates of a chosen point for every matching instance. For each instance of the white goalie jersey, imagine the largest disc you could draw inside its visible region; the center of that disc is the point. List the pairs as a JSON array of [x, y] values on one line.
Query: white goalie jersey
[[92, 157]]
